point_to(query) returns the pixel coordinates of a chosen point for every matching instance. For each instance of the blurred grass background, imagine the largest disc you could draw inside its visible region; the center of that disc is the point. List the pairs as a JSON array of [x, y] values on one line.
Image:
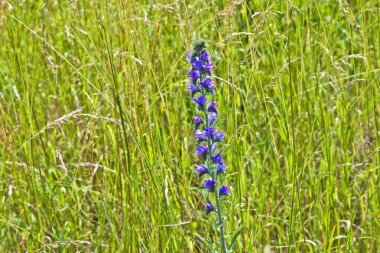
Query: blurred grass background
[[96, 151]]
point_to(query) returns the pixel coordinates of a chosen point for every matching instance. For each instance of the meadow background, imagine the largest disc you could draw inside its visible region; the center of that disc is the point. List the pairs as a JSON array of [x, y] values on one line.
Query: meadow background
[[96, 148]]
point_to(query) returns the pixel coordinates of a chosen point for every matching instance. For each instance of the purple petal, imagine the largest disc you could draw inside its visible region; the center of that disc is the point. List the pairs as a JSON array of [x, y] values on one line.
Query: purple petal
[[224, 190], [201, 169], [218, 159], [205, 56], [193, 75], [209, 183], [209, 67], [219, 135], [220, 168], [200, 135], [209, 207], [209, 132], [197, 65], [198, 120], [212, 107], [201, 150], [212, 116], [200, 100]]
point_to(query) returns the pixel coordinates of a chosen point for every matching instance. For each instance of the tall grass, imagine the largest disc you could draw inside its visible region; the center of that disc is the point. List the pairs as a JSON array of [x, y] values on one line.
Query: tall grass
[[95, 153]]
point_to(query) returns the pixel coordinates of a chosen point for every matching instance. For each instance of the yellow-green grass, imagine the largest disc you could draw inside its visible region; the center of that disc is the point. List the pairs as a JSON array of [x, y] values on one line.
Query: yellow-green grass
[[96, 148]]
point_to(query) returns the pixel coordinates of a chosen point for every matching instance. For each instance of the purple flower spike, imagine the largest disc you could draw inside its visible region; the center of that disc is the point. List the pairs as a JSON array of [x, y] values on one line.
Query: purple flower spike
[[198, 65], [209, 131], [224, 190], [218, 159], [219, 136], [205, 56], [201, 169], [210, 183], [206, 132], [201, 101], [212, 107], [220, 168], [193, 75], [201, 150], [209, 208]]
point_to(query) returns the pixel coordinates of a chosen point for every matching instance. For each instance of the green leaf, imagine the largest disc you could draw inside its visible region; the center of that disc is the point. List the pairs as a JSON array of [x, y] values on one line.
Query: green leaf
[[211, 245], [235, 235]]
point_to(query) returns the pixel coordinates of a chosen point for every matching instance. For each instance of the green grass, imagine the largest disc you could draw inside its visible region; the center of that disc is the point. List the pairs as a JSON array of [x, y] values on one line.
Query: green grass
[[96, 150]]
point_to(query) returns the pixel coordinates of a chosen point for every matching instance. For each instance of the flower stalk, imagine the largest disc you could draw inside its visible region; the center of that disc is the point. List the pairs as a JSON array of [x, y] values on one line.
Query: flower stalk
[[202, 89]]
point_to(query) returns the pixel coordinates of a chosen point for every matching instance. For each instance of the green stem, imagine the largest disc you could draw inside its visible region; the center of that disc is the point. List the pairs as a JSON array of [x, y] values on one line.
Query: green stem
[[220, 223]]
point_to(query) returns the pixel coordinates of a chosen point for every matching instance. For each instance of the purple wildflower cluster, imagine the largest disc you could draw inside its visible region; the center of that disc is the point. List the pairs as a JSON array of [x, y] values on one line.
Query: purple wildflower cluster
[[202, 89]]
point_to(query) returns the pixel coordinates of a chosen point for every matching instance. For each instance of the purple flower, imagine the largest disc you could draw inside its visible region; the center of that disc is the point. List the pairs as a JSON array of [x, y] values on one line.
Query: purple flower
[[210, 183], [208, 84], [209, 67], [200, 135], [201, 101], [213, 148], [188, 56], [220, 168], [218, 135], [224, 190], [204, 56], [209, 208], [201, 169], [198, 65], [193, 89], [209, 132], [212, 116], [218, 159], [205, 130], [193, 75], [201, 150], [212, 107], [197, 122]]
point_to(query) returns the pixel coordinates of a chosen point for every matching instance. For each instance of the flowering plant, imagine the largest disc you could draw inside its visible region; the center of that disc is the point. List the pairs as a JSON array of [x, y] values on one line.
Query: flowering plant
[[212, 165]]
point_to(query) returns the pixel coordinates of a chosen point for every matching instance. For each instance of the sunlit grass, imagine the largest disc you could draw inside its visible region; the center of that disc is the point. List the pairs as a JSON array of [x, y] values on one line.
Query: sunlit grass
[[96, 147]]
